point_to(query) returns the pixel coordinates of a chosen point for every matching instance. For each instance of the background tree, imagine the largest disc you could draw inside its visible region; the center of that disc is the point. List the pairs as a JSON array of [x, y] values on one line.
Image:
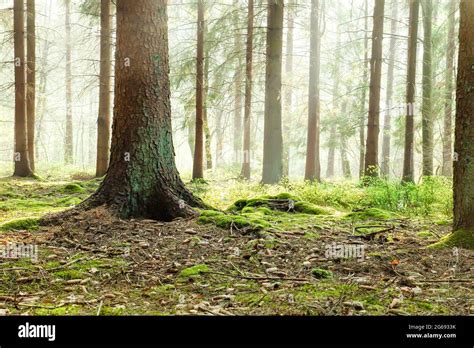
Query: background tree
[[103, 120], [371, 153], [248, 92], [408, 161], [272, 141], [22, 163], [68, 147], [427, 108], [198, 139], [31, 79], [313, 166]]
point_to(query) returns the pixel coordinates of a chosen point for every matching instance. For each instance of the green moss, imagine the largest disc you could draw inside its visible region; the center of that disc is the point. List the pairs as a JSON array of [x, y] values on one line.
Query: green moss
[[370, 214], [227, 220], [321, 273], [309, 208], [29, 224], [69, 274], [72, 188], [425, 234], [64, 310], [460, 238], [194, 271]]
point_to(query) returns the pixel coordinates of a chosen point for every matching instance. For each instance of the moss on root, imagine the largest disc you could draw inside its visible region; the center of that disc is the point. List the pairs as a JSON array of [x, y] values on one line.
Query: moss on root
[[370, 214], [460, 238]]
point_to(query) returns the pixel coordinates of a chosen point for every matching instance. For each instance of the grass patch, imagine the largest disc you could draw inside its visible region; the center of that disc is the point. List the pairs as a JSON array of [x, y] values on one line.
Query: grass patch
[[28, 224]]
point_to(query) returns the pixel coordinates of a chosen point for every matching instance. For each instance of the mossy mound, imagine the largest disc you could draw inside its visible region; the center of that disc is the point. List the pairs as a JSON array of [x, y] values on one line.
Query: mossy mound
[[460, 238], [194, 271], [72, 188], [28, 224], [370, 214], [321, 273], [223, 220], [283, 202]]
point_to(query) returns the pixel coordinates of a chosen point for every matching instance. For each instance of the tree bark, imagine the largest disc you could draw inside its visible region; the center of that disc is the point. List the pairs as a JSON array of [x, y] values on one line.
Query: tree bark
[[464, 134], [237, 85], [248, 92], [371, 153], [332, 143], [289, 87], [408, 161], [103, 121], [198, 171], [207, 132], [31, 79], [273, 143], [313, 165], [68, 149], [447, 169], [426, 108], [22, 163], [386, 140], [142, 179], [362, 123]]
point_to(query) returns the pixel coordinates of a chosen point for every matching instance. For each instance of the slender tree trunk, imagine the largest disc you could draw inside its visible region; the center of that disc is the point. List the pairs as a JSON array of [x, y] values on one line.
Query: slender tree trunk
[[371, 153], [31, 79], [237, 86], [426, 108], [198, 144], [68, 149], [248, 93], [408, 161], [464, 138], [346, 166], [219, 138], [22, 163], [207, 132], [313, 165], [447, 133], [332, 143], [288, 88], [103, 120], [273, 143], [386, 140], [362, 123], [142, 179]]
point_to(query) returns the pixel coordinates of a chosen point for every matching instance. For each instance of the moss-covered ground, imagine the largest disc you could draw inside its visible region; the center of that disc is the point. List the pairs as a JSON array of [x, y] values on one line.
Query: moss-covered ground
[[266, 250]]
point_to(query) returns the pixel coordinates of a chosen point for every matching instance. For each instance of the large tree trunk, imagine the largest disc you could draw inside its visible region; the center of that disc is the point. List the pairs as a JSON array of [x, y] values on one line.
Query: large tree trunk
[[371, 153], [248, 93], [313, 165], [385, 168], [103, 121], [31, 79], [464, 138], [447, 169], [362, 123], [288, 90], [198, 140], [408, 161], [68, 147], [272, 142], [237, 85], [142, 179], [22, 163], [426, 108]]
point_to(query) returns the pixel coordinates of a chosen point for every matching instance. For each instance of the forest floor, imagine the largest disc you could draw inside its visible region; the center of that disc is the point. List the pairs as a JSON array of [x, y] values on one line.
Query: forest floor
[[252, 261]]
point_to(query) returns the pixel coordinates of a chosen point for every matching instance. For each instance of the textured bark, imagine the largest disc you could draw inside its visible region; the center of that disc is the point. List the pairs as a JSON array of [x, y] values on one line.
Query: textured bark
[[198, 171], [362, 121], [22, 163], [273, 143], [288, 90], [408, 162], [31, 79], [237, 85], [142, 179], [68, 147], [346, 165], [386, 140], [373, 128], [248, 92], [426, 108], [464, 137], [313, 165], [447, 169], [207, 132], [103, 120]]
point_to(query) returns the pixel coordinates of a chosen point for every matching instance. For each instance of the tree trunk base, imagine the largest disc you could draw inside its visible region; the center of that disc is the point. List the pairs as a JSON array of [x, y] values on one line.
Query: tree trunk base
[[460, 238]]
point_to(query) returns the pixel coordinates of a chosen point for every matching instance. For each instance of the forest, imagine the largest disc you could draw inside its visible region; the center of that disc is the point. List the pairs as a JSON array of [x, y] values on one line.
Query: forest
[[237, 157]]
